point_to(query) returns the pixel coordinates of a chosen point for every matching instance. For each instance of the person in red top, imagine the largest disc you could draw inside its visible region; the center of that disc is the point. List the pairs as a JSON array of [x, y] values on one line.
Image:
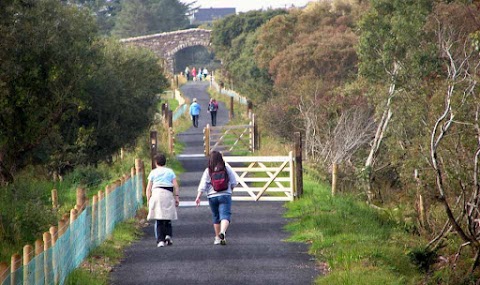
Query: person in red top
[[212, 109], [194, 74]]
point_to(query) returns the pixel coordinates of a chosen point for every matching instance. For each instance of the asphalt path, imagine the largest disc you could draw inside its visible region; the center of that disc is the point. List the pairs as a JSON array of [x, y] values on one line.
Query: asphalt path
[[256, 252]]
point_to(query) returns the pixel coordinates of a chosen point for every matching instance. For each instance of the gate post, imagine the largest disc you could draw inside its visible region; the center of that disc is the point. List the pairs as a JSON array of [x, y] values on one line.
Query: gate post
[[153, 147], [298, 165], [170, 118], [206, 139], [231, 114]]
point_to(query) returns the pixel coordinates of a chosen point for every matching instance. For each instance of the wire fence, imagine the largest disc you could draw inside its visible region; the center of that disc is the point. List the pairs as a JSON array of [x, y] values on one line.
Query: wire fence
[[236, 96], [65, 247]]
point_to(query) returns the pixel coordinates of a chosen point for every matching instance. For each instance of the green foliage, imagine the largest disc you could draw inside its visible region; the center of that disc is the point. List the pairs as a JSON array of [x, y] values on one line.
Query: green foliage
[[139, 17], [423, 258], [105, 256], [66, 97], [356, 243], [24, 215], [390, 33]]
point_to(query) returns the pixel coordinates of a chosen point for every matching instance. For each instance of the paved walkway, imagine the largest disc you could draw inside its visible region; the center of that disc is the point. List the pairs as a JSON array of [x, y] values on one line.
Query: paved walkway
[[255, 252]]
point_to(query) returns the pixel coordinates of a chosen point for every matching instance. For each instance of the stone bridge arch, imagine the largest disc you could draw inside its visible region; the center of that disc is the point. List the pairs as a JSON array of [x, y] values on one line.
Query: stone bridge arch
[[166, 45]]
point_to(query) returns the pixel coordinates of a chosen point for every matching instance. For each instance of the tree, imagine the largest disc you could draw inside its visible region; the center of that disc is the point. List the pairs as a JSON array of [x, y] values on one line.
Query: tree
[[44, 55], [67, 98], [389, 53], [143, 17], [458, 193]]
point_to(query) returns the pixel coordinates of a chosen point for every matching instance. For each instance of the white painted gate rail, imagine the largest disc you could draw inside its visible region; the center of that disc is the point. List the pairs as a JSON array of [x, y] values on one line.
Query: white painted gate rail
[[263, 178]]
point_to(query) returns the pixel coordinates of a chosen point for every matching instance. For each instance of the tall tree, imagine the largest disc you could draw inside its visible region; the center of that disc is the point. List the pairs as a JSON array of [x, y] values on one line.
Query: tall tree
[[389, 54], [143, 17]]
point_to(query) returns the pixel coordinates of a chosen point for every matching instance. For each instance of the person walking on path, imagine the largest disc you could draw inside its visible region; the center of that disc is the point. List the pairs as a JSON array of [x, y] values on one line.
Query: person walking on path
[[195, 112], [163, 199], [194, 74], [212, 109], [187, 73], [220, 201]]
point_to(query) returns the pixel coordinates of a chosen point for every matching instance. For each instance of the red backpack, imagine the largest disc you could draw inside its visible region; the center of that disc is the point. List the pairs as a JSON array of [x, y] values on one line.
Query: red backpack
[[219, 179]]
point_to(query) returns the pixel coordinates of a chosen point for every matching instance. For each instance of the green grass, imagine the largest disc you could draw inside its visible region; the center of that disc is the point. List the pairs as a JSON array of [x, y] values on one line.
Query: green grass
[[359, 244], [95, 270]]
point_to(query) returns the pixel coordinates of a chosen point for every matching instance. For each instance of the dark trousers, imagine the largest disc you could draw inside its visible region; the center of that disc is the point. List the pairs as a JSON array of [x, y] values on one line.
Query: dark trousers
[[213, 114], [195, 120], [162, 229]]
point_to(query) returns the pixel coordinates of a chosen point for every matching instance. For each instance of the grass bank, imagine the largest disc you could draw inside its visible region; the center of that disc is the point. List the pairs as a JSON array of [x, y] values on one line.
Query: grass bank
[[353, 243]]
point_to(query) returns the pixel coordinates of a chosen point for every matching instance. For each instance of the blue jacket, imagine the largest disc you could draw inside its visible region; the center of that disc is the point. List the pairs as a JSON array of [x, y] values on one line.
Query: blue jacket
[[195, 109]]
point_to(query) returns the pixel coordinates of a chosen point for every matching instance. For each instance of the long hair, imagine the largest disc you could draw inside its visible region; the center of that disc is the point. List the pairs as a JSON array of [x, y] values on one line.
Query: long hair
[[215, 161]]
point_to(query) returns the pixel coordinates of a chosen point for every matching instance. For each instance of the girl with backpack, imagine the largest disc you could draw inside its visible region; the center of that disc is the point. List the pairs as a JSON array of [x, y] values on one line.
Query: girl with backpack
[[212, 109], [218, 181]]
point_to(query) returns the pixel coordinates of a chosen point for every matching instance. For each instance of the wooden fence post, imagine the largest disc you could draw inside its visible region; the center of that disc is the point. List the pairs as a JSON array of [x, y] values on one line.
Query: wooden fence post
[[100, 217], [249, 109], [256, 134], [28, 252], [298, 165], [54, 199], [108, 215], [334, 178], [231, 114], [171, 141], [138, 169], [47, 265], [15, 264], [54, 237], [206, 139], [94, 228], [3, 271], [81, 199], [39, 262], [170, 119], [153, 147], [73, 237]]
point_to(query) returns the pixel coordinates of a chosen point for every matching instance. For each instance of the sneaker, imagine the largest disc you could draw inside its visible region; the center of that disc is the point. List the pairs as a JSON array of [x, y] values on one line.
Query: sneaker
[[217, 241], [161, 244], [168, 240], [223, 241]]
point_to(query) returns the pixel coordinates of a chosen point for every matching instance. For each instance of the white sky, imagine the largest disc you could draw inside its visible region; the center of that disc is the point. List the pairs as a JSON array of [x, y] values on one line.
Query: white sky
[[247, 5]]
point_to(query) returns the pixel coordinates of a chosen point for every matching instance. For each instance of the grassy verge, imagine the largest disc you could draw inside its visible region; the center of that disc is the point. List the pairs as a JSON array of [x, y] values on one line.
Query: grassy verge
[[353, 243], [96, 268]]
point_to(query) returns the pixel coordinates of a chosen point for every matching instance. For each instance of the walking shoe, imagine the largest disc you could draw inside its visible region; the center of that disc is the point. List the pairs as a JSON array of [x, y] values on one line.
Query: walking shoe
[[223, 241], [217, 241], [168, 240], [161, 244]]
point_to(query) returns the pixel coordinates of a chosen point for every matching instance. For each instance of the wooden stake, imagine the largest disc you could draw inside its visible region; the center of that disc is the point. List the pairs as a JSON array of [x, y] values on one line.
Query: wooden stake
[[54, 199], [28, 253], [47, 264], [39, 270], [334, 178], [15, 264], [81, 199], [3, 271], [298, 165]]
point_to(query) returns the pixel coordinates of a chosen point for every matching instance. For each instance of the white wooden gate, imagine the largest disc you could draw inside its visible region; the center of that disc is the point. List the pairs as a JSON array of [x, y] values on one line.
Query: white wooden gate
[[263, 178], [229, 138]]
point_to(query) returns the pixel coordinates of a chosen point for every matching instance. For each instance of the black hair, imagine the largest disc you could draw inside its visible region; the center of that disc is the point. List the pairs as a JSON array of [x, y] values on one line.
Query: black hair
[[160, 159]]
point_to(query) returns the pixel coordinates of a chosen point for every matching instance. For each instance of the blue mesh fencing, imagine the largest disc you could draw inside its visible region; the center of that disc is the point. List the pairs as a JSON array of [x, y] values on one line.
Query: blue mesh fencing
[[231, 93], [179, 112], [92, 226]]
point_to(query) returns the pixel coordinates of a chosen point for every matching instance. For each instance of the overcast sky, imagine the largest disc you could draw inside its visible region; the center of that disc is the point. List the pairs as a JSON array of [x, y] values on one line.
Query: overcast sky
[[246, 5]]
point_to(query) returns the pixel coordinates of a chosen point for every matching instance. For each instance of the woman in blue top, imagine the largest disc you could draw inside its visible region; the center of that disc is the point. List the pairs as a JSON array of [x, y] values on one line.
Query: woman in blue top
[[220, 201], [163, 198], [195, 112]]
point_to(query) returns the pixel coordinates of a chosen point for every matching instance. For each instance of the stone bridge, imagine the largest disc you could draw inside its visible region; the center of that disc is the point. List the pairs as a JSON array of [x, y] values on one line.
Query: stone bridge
[[166, 45]]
